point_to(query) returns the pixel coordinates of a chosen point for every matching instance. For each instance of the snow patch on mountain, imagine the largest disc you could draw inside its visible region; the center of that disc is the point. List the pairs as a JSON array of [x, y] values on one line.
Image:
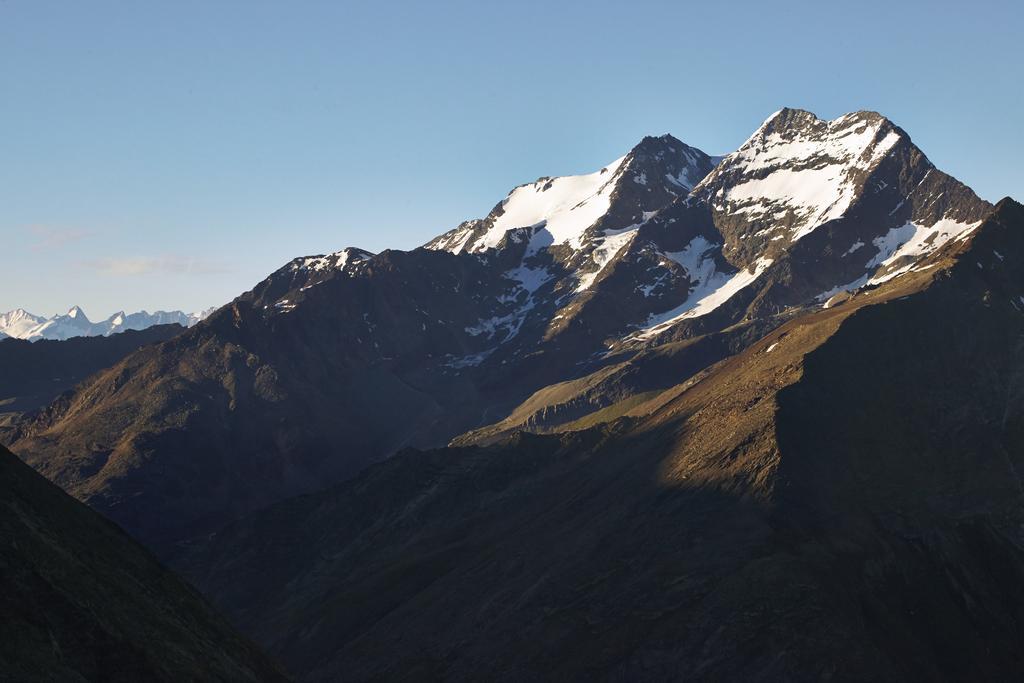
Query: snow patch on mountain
[[706, 298], [710, 287], [853, 247], [339, 260], [604, 253], [900, 250], [909, 242], [527, 280], [562, 208], [565, 210]]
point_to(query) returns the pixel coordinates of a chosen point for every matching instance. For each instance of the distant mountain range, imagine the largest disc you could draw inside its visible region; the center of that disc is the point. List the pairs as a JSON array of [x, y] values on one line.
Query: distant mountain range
[[752, 417], [21, 324]]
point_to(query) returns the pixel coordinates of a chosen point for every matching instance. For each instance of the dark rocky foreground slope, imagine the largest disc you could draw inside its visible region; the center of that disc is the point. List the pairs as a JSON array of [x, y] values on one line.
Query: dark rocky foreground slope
[[839, 501], [81, 601], [338, 361]]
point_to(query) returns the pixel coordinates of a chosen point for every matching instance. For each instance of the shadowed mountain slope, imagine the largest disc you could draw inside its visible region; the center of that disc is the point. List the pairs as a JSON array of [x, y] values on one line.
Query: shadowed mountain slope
[[81, 601], [34, 374], [838, 501]]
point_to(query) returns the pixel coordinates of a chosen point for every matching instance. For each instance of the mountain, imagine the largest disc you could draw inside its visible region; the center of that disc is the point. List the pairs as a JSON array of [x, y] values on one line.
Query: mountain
[[839, 501], [573, 295], [804, 213], [21, 324], [755, 417], [82, 601], [33, 374]]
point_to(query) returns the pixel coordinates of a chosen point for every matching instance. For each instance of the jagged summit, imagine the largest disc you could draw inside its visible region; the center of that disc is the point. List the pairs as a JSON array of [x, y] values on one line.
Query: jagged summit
[[683, 166], [570, 210], [797, 172], [830, 206], [787, 119]]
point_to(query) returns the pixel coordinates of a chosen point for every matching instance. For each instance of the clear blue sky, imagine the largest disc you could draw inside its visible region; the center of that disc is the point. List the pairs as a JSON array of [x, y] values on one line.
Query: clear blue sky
[[171, 154]]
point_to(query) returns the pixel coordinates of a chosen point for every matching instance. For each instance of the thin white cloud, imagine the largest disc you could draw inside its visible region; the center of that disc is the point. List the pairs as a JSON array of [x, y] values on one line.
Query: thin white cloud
[[127, 266], [47, 238]]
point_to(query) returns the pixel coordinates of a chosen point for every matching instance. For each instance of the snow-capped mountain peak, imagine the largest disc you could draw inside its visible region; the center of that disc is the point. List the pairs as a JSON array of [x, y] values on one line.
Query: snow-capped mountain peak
[[797, 172], [884, 204], [690, 232], [574, 210], [18, 322], [560, 209]]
